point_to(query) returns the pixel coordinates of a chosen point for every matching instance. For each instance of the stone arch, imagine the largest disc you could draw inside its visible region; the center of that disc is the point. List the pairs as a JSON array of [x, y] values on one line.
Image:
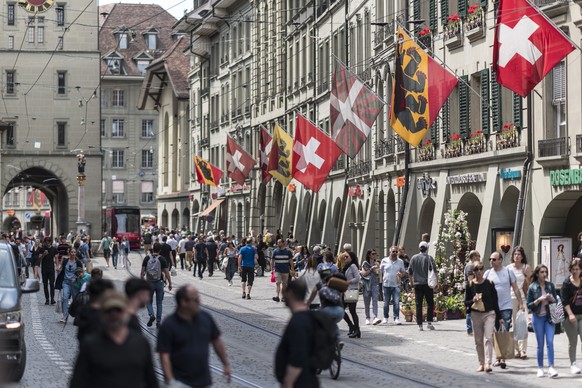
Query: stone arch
[[165, 218], [471, 205], [239, 220], [390, 217], [381, 224], [186, 218], [277, 204], [291, 211], [426, 217], [175, 219]]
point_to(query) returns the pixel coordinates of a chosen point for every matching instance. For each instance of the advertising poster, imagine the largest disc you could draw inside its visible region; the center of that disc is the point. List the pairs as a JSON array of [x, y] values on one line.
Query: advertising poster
[[561, 257], [545, 250]]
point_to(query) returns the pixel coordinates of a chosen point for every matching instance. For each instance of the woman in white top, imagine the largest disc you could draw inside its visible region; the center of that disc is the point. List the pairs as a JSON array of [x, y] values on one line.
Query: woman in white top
[[311, 276], [522, 273]]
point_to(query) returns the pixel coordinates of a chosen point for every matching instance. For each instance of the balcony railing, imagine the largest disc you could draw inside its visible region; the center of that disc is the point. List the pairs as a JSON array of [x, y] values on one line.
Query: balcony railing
[[400, 145], [366, 74], [204, 142], [379, 36], [543, 3], [359, 168], [340, 164], [383, 148], [553, 147]]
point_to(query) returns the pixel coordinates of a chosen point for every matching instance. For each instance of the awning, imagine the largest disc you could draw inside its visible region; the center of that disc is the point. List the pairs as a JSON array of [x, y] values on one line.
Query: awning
[[210, 208]]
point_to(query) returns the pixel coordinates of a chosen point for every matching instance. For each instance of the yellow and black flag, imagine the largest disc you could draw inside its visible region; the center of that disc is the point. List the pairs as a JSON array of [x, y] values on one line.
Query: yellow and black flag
[[206, 173], [281, 156], [421, 87]]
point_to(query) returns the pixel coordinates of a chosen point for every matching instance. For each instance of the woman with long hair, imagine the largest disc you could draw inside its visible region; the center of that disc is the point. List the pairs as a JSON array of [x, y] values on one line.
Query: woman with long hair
[[312, 278], [68, 277], [522, 273], [352, 274], [371, 285], [540, 293], [115, 251], [125, 251], [231, 266], [571, 294]]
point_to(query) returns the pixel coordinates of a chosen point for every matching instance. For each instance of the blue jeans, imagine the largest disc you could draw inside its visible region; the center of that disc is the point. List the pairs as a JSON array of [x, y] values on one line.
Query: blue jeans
[[392, 294], [337, 313], [68, 292], [468, 322], [114, 257], [158, 289], [506, 316], [371, 295], [544, 328]]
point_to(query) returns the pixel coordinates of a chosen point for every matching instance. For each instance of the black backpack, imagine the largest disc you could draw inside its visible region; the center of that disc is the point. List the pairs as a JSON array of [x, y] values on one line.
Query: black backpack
[[324, 342], [81, 299]]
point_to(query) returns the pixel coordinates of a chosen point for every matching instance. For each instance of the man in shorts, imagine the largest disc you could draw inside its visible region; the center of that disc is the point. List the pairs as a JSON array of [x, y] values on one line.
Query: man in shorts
[[281, 262], [247, 257]]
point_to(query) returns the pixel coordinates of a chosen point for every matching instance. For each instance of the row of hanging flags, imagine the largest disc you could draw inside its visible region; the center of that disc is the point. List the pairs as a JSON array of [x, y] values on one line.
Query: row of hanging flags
[[527, 46]]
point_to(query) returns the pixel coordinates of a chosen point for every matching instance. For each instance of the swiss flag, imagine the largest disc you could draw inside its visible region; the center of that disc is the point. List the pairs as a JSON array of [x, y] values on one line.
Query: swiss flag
[[314, 154], [265, 146], [239, 163], [527, 46]]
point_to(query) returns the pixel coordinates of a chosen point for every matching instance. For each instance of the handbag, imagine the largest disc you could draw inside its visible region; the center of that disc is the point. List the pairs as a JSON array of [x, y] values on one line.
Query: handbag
[[478, 305], [351, 296], [503, 343], [272, 277], [556, 311], [432, 279]]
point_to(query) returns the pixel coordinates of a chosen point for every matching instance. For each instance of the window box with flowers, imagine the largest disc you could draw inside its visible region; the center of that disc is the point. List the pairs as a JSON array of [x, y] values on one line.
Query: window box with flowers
[[426, 151], [476, 144], [452, 32], [508, 137], [425, 38], [454, 148], [475, 23]]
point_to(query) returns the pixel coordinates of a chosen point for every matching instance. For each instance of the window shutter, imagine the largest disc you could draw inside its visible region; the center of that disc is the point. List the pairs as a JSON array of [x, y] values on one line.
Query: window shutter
[[517, 110], [444, 11], [416, 12], [434, 131], [446, 122], [496, 104], [462, 7], [432, 17], [485, 101], [483, 3], [559, 83], [464, 108]]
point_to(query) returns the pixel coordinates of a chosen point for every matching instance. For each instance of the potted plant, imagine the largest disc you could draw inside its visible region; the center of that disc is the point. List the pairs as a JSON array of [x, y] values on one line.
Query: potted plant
[[453, 148], [407, 305], [440, 306], [474, 18], [426, 151], [476, 143], [453, 27], [508, 137], [455, 305], [424, 37]]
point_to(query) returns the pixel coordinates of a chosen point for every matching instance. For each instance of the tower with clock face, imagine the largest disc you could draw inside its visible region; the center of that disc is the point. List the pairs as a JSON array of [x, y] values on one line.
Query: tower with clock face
[[36, 6]]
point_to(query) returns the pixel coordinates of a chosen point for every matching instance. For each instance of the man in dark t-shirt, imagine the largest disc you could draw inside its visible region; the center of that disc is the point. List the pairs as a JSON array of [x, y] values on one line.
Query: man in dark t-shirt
[[166, 252], [184, 339], [157, 285], [47, 267], [212, 251], [189, 247], [281, 262], [201, 257]]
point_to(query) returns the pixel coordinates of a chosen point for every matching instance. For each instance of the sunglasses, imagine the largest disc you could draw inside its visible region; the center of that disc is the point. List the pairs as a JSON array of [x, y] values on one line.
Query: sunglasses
[[394, 251], [492, 259], [477, 269]]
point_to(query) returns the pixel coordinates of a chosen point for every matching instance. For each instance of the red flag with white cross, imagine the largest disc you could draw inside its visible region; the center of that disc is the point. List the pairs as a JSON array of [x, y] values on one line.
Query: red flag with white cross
[[527, 46], [266, 143], [239, 163], [314, 154]]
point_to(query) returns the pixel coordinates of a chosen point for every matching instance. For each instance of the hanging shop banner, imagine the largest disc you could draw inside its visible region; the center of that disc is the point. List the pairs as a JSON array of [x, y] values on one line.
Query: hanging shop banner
[[467, 179], [565, 177]]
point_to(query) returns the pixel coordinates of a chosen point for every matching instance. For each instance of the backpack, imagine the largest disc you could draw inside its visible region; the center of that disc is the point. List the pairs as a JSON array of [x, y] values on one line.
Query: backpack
[[154, 269], [324, 343], [80, 300]]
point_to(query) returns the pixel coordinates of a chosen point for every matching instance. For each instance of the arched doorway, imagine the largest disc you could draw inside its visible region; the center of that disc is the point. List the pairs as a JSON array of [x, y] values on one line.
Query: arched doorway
[[335, 222], [185, 218], [277, 205], [318, 224], [239, 218], [165, 218], [175, 219], [262, 205], [390, 217], [195, 210], [381, 225], [426, 218], [292, 210], [471, 205]]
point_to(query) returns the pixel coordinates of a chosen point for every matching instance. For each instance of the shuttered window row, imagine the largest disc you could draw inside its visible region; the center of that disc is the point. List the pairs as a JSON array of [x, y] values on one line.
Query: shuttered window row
[[464, 107]]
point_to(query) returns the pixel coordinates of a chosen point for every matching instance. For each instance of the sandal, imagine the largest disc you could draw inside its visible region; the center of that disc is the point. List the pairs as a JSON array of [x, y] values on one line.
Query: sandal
[[480, 369], [488, 368], [502, 365], [497, 363], [523, 356]]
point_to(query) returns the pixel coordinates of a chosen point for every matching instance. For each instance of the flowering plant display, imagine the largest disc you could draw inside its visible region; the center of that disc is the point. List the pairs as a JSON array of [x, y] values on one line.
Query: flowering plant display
[[426, 151], [508, 136], [424, 32], [453, 26], [476, 143], [407, 300], [474, 18]]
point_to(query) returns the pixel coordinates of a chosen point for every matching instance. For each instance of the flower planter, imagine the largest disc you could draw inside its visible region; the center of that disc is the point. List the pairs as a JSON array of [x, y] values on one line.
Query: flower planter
[[454, 41], [475, 33], [440, 315], [450, 315]]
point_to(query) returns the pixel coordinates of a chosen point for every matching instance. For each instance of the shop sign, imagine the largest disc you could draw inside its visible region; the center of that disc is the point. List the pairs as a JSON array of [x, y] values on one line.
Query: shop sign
[[400, 181], [355, 191], [10, 213], [507, 173], [238, 187], [426, 184], [467, 179], [566, 177]]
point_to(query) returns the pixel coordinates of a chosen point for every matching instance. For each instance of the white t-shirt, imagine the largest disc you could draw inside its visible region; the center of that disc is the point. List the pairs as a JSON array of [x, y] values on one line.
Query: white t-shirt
[[389, 270], [502, 280]]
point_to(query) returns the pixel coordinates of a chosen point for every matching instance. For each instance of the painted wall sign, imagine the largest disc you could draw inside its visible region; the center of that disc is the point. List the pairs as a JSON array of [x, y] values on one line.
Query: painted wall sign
[[400, 181], [566, 177], [426, 184], [507, 173], [467, 179]]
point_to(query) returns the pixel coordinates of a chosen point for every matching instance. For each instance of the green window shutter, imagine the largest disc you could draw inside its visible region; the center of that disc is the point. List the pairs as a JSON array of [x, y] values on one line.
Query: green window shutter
[[496, 104], [432, 17], [464, 108], [444, 11], [434, 132], [462, 7], [416, 13], [483, 3], [446, 122], [517, 110], [485, 101]]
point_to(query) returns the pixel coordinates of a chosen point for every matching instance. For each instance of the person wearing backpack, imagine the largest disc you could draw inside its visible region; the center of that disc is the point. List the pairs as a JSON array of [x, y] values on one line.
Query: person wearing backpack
[[152, 269], [293, 367]]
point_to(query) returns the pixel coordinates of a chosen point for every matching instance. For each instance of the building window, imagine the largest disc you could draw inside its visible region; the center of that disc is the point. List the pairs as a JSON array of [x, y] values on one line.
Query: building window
[[30, 34], [147, 128], [103, 129], [10, 135], [142, 66], [11, 42], [118, 191], [147, 191], [117, 159], [11, 18], [61, 134], [122, 37], [10, 82], [117, 128], [40, 34], [60, 43], [559, 99], [147, 158], [61, 82], [152, 41], [118, 96], [60, 15]]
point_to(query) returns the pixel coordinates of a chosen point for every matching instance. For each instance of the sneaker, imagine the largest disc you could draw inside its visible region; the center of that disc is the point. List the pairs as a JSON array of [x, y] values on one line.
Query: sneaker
[[420, 328], [107, 266], [540, 372], [552, 372], [249, 296], [151, 321], [63, 320], [397, 322], [229, 284], [367, 321], [430, 326], [276, 299], [574, 369], [376, 321], [53, 302], [244, 295], [46, 302], [384, 321]]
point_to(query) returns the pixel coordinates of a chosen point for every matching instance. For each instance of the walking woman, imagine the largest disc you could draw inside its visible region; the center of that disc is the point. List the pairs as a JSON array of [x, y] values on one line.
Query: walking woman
[[35, 260], [370, 281], [522, 273], [540, 293], [231, 266], [312, 278], [350, 270], [115, 252], [68, 277], [571, 293], [481, 299], [125, 252]]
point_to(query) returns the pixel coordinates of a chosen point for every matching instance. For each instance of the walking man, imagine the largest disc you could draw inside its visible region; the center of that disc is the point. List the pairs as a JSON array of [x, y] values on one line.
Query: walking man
[[106, 245], [184, 339], [212, 252], [418, 270], [247, 257], [153, 268], [201, 257], [391, 270], [47, 266], [281, 263], [189, 248]]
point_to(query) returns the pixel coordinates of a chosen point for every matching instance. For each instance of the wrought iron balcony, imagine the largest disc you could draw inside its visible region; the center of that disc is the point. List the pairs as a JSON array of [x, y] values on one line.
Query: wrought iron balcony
[[204, 142], [383, 148], [340, 164], [359, 168], [553, 147]]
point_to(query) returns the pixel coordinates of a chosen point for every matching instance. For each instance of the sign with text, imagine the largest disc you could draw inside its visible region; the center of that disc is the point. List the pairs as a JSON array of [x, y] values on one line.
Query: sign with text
[[467, 179], [566, 177], [507, 173]]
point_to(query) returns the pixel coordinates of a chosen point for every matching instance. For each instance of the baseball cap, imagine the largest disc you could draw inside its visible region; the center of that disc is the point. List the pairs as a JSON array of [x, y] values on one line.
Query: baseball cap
[[423, 244], [113, 300]]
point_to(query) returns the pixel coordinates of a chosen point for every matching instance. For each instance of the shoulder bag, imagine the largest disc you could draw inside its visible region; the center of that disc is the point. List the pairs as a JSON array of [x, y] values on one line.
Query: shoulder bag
[[432, 278], [556, 311], [351, 296]]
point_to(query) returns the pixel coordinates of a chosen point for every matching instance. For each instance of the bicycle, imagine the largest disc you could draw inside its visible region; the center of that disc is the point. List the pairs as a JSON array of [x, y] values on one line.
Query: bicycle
[[335, 367]]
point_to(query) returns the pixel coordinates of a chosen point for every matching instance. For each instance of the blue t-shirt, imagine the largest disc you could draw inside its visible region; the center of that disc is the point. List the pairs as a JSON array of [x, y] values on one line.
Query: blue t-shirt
[[282, 257], [248, 256]]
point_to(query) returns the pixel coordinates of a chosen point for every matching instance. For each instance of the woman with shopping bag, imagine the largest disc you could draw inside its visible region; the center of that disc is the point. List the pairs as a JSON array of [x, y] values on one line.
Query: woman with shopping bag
[[481, 299], [571, 293], [540, 294]]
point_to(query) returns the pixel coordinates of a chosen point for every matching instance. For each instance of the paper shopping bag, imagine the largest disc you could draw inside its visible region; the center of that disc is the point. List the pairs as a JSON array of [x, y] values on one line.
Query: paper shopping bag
[[503, 343]]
